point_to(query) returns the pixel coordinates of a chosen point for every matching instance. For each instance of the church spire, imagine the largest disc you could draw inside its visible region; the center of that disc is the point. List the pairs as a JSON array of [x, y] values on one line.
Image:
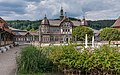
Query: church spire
[[61, 13]]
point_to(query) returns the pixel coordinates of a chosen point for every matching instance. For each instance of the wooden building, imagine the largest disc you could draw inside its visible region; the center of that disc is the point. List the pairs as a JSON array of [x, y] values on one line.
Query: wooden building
[[32, 37], [59, 30], [117, 24], [23, 36], [6, 35]]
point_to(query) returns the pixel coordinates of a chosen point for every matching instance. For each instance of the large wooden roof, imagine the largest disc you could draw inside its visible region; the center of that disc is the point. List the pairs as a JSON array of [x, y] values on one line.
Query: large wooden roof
[[34, 33], [117, 23], [4, 26], [58, 22]]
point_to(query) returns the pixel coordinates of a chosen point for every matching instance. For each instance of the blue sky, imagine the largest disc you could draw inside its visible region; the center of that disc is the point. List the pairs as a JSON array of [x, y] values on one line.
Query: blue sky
[[36, 9]]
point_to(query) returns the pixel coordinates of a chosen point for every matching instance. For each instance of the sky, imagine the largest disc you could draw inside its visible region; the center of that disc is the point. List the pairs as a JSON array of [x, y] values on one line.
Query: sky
[[36, 9]]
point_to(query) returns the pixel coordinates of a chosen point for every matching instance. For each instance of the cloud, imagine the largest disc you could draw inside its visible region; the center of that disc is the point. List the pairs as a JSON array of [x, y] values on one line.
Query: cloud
[[7, 8], [36, 9]]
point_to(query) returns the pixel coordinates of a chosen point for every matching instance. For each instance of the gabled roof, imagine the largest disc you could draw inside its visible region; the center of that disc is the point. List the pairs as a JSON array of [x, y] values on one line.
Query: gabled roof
[[76, 23], [117, 23], [54, 22], [58, 22], [21, 33], [17, 30], [33, 33], [3, 23], [4, 26]]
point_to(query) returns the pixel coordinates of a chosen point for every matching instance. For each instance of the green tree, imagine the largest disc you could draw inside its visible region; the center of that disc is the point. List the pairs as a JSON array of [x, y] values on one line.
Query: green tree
[[29, 27], [80, 32], [109, 34], [32, 30]]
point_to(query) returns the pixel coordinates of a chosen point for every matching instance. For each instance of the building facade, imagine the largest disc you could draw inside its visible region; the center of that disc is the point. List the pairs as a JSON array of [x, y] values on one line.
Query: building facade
[[23, 36], [58, 31], [6, 35]]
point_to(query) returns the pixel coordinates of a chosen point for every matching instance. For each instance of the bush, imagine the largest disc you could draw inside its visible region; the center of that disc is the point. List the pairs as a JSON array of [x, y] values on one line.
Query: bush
[[106, 59], [103, 60], [33, 60]]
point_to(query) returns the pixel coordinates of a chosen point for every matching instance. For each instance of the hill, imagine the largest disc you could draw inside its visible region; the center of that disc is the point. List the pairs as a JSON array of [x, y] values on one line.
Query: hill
[[101, 24], [33, 25]]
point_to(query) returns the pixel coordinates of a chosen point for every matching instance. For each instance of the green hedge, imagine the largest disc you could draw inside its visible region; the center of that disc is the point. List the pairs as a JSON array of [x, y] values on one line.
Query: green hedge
[[103, 60]]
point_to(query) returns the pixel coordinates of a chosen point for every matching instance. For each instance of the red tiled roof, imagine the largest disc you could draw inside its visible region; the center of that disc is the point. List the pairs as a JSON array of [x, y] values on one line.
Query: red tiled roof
[[4, 26], [117, 23]]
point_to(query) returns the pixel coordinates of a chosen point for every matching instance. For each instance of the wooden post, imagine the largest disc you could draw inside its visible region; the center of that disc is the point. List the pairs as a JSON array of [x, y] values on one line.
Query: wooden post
[[0, 39], [40, 36], [79, 72], [72, 72]]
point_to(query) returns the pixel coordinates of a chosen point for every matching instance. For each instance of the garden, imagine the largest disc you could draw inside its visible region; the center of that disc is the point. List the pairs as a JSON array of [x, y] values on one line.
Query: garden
[[68, 60]]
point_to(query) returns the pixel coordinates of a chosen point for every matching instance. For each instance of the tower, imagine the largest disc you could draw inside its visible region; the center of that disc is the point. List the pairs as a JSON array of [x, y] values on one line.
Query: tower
[[61, 13], [84, 22]]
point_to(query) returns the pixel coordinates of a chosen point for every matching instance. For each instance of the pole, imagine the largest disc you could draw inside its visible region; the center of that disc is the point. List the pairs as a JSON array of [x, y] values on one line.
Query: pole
[[40, 36], [86, 41], [93, 39], [0, 40]]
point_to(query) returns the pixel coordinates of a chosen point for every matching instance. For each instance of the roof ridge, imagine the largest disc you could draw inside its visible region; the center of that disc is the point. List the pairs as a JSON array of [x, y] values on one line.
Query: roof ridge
[[117, 23]]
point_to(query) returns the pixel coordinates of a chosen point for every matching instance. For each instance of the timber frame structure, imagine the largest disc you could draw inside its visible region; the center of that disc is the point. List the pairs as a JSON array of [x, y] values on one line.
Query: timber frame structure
[[6, 35]]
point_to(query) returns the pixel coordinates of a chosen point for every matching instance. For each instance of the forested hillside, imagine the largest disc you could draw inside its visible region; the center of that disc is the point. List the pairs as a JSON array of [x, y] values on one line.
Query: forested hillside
[[24, 24], [33, 25], [101, 24]]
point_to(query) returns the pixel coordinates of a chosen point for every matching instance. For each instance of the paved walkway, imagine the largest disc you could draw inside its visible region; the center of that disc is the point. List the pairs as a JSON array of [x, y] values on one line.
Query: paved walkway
[[8, 61]]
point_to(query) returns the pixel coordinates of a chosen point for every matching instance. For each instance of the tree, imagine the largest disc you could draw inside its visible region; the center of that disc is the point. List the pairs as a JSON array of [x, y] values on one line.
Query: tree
[[109, 34], [80, 32], [32, 30]]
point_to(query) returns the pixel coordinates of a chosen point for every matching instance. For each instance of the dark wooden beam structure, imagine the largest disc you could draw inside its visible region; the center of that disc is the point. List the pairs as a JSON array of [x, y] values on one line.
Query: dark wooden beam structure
[[6, 35]]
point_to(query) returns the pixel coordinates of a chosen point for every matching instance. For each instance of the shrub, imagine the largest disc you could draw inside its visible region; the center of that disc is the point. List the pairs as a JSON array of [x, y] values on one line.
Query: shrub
[[101, 60], [33, 60]]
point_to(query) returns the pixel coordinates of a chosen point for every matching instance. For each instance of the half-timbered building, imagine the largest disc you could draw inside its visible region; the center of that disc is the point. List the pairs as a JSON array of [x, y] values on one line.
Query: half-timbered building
[[58, 31], [6, 35]]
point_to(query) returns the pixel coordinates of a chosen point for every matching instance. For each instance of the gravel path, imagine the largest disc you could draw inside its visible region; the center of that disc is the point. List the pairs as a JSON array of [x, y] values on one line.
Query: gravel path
[[8, 61]]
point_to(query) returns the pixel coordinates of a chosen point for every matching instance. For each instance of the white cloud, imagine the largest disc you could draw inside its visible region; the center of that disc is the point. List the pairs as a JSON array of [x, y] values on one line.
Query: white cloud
[[36, 9]]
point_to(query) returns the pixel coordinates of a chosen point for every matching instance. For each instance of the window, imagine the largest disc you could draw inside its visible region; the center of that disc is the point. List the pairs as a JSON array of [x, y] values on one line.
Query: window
[[68, 30], [63, 30]]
